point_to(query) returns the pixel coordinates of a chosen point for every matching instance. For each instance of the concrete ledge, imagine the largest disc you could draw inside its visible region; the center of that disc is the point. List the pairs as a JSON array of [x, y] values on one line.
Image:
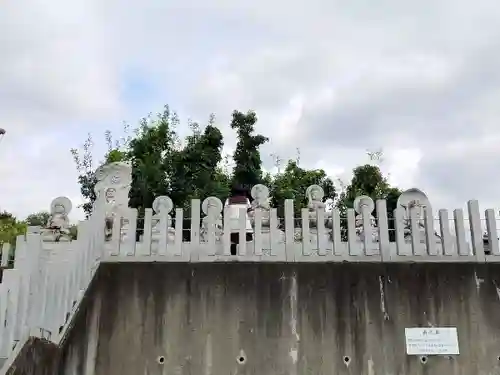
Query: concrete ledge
[[268, 319]]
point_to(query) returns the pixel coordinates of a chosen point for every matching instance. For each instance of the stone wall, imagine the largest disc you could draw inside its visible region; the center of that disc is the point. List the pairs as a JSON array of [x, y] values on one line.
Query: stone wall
[[273, 319]]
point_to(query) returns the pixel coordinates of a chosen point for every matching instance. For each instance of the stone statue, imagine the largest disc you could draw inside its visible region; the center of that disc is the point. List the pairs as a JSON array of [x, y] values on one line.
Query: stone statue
[[212, 207], [162, 206], [260, 194], [359, 203], [415, 200], [58, 227], [261, 201], [112, 188], [315, 196]]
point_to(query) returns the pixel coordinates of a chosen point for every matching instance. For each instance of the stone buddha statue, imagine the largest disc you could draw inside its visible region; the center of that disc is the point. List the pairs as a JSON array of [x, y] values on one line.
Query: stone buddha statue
[[211, 207], [162, 206], [58, 226], [261, 202], [112, 188], [260, 195], [315, 195], [359, 203]]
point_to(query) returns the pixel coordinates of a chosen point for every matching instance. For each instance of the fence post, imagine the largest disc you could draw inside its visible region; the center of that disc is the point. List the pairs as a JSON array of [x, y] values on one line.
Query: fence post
[[34, 279], [383, 230], [18, 294], [5, 254], [12, 279], [4, 292], [476, 230]]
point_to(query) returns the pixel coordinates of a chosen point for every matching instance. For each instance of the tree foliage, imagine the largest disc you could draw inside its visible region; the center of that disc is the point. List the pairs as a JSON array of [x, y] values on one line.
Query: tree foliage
[[368, 180], [151, 153], [10, 228], [293, 182], [162, 164], [85, 166], [38, 219], [73, 231], [248, 164], [197, 172]]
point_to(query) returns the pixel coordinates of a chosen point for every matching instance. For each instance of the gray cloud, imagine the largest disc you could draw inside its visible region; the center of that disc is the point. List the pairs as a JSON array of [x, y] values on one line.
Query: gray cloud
[[332, 78], [56, 73], [463, 171], [427, 79]]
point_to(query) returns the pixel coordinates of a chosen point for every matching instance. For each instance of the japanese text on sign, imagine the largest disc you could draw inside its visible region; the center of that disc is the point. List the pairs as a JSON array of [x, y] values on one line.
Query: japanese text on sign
[[432, 341]]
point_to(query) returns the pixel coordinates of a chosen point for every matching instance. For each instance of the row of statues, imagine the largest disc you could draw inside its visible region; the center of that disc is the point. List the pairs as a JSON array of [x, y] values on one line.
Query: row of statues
[[113, 185], [58, 226], [261, 201]]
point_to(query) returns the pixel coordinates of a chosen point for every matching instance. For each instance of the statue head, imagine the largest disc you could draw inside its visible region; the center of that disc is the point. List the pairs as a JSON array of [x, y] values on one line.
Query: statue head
[[212, 204], [60, 206], [59, 209], [363, 201], [260, 192], [315, 193], [162, 204], [413, 200]]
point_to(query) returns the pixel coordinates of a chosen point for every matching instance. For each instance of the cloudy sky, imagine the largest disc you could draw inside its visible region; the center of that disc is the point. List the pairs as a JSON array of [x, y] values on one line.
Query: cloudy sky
[[419, 79]]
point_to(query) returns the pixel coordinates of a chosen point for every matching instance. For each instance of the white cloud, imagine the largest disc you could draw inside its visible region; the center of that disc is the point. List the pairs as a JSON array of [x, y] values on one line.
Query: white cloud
[[56, 74], [332, 78]]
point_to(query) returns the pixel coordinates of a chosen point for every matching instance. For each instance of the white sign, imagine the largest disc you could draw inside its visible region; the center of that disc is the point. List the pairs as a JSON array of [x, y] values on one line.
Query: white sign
[[432, 341]]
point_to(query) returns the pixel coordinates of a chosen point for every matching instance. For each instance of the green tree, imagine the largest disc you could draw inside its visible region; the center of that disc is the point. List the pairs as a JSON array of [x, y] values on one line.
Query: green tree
[[248, 164], [37, 219], [197, 170], [73, 231], [86, 178], [162, 166], [10, 228], [152, 152], [368, 180], [293, 182]]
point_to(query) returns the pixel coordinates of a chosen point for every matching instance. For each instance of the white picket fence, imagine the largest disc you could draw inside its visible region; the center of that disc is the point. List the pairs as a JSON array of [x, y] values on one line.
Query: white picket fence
[[43, 288], [322, 245], [41, 293]]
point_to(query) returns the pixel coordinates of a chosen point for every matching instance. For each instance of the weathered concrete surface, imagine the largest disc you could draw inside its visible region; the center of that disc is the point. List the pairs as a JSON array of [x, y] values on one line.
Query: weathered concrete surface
[[282, 319], [37, 357]]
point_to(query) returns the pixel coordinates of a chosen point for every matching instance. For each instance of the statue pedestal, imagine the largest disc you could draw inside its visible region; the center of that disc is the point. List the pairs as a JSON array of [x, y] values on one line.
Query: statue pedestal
[[218, 227], [267, 240], [312, 236], [55, 235], [155, 238]]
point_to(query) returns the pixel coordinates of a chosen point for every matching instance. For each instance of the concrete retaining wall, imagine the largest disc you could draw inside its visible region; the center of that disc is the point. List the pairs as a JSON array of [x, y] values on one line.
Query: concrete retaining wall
[[273, 319]]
